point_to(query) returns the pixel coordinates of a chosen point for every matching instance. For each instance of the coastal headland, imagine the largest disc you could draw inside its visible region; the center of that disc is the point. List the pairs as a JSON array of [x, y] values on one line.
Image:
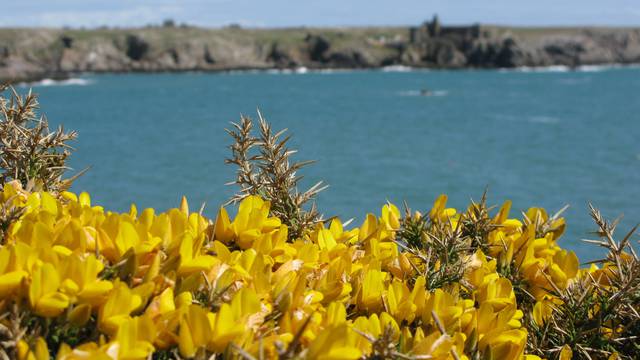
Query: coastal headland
[[28, 54]]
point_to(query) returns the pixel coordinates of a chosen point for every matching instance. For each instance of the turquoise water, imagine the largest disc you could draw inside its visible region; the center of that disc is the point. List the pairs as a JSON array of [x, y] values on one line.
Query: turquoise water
[[541, 138]]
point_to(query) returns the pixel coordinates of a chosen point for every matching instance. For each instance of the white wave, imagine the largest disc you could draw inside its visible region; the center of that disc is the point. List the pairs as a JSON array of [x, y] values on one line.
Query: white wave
[[286, 71], [278, 71], [575, 81], [51, 82], [332, 71], [598, 68], [595, 68], [540, 69], [541, 119], [397, 68], [242, 71], [301, 70], [564, 68]]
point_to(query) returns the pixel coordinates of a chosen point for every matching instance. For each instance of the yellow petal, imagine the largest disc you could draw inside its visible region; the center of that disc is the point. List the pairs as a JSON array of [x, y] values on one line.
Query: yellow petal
[[341, 353], [80, 315], [95, 292], [566, 353], [10, 282], [85, 199], [52, 304], [185, 341], [184, 206], [42, 351]]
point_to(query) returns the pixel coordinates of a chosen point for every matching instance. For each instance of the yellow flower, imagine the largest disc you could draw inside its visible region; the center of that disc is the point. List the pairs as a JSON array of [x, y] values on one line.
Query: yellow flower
[[120, 303], [444, 305], [88, 351], [400, 301], [191, 259], [497, 292], [439, 212], [438, 346], [190, 286], [389, 221], [335, 343], [251, 221], [79, 315], [373, 327], [506, 345], [225, 328], [134, 338], [40, 351], [369, 297], [82, 273], [542, 310], [44, 297], [564, 268], [341, 235], [11, 276], [195, 331]]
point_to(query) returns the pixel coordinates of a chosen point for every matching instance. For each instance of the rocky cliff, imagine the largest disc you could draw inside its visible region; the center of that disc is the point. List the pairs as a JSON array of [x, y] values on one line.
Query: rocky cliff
[[28, 54]]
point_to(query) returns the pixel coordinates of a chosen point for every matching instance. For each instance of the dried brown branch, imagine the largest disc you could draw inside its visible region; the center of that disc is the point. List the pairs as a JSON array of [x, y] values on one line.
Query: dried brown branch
[[11, 331], [29, 151], [265, 169]]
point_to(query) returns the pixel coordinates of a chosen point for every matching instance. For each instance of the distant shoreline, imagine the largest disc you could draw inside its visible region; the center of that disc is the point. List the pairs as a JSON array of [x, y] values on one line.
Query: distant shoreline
[[80, 78], [28, 54]]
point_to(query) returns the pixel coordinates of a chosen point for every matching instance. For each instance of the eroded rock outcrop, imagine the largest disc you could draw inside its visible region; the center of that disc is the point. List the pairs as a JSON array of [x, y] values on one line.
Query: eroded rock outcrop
[[27, 54]]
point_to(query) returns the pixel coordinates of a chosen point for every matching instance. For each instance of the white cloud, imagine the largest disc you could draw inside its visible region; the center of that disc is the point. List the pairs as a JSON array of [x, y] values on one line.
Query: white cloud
[[91, 13], [93, 18], [258, 13]]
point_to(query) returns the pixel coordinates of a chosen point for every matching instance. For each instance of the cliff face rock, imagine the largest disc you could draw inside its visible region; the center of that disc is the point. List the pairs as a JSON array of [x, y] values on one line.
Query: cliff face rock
[[27, 54], [317, 47]]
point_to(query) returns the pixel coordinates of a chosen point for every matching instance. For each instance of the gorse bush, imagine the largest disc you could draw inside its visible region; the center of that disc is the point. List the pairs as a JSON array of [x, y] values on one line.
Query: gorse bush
[[268, 173], [29, 152], [278, 281]]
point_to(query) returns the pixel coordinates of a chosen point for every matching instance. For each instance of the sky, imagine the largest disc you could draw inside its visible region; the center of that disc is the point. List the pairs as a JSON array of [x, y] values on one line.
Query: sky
[[281, 13]]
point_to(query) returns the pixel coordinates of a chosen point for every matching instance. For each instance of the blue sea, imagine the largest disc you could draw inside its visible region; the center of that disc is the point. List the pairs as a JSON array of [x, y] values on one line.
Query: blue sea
[[540, 137]]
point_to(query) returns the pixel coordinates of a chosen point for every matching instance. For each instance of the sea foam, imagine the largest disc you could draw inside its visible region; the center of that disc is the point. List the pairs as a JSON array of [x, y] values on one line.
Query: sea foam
[[564, 68], [52, 82], [397, 68]]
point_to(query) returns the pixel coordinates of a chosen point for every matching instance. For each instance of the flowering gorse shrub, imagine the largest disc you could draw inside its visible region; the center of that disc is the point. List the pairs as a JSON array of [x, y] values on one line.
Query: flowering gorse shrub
[[81, 282]]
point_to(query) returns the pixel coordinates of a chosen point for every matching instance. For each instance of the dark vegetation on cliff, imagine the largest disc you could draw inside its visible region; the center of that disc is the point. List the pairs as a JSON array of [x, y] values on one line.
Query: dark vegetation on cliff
[[27, 54]]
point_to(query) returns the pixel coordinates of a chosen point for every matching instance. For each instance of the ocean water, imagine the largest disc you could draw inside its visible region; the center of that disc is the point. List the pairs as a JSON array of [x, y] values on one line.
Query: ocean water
[[540, 137]]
